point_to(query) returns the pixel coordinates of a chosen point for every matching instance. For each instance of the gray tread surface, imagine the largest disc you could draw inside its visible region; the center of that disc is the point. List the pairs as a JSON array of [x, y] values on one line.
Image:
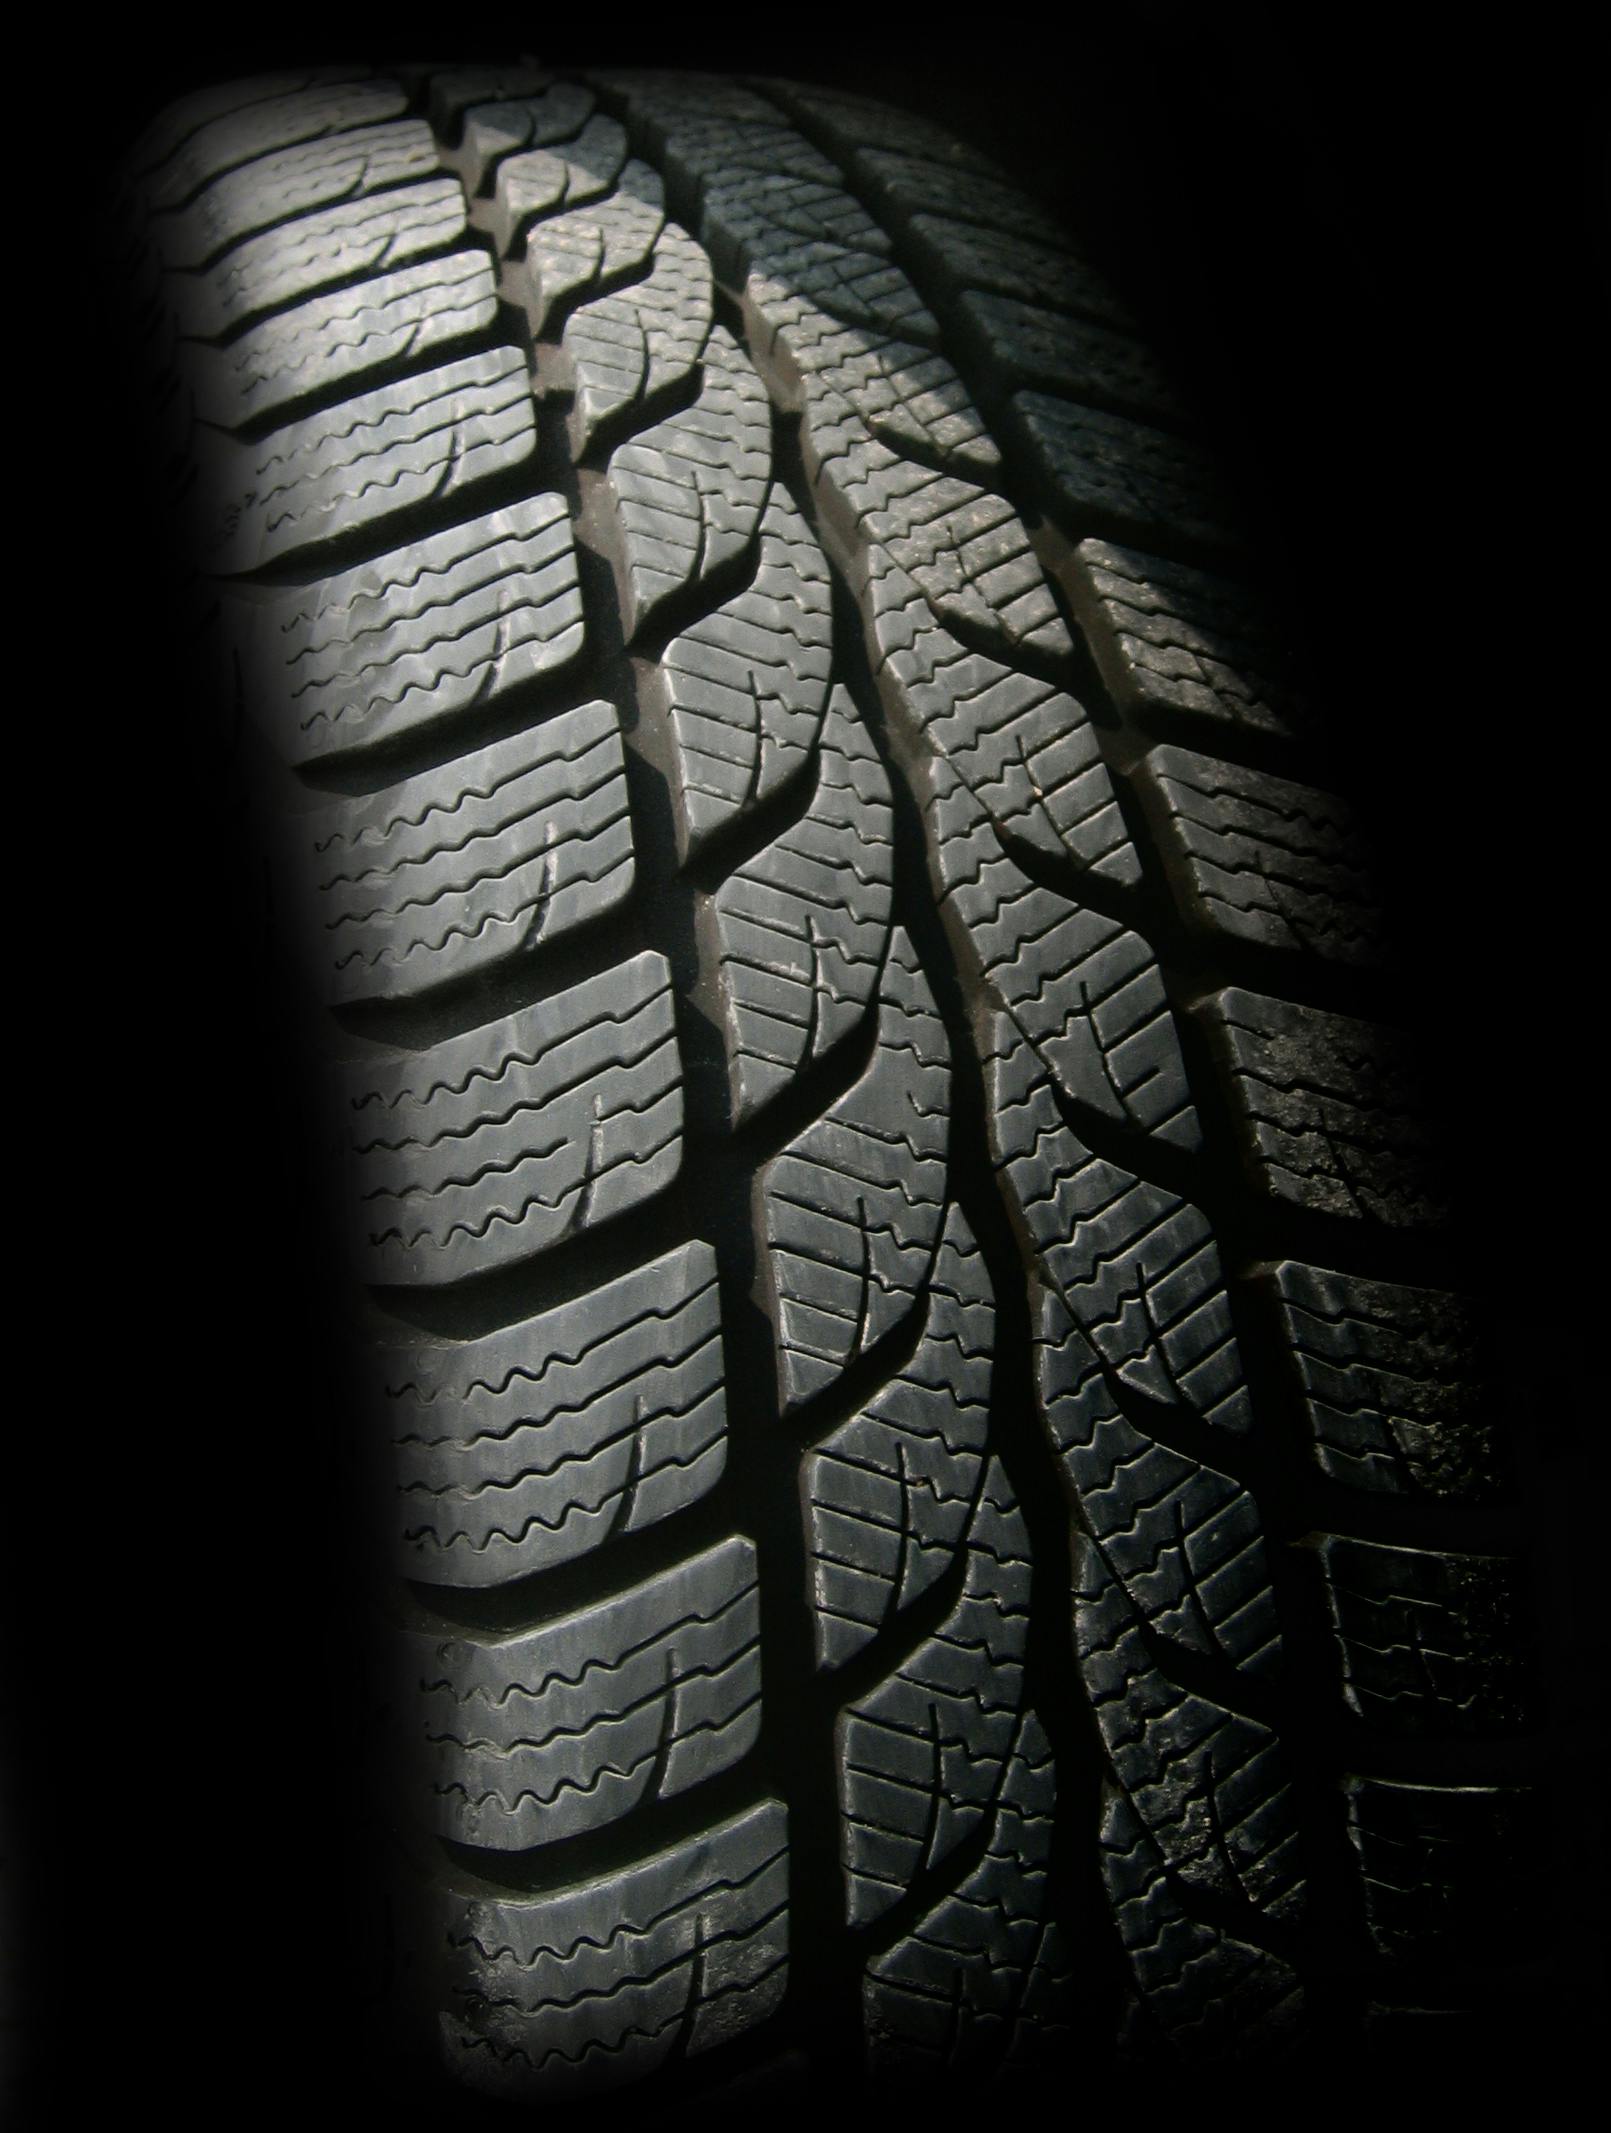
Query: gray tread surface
[[419, 634], [503, 849], [906, 1280], [337, 244], [539, 1442]]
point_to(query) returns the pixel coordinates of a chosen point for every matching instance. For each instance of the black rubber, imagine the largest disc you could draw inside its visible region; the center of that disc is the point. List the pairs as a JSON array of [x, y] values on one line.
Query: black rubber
[[881, 1110]]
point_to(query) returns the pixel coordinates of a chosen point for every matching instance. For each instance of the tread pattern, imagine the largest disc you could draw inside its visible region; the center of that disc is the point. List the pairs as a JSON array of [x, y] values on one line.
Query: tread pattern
[[600, 1983], [275, 189], [769, 345], [329, 339], [619, 352], [854, 1206], [1131, 1263], [1333, 1116], [801, 928], [1426, 1638], [891, 1491], [1111, 1044], [354, 466], [927, 1752], [1212, 1994], [317, 251], [492, 1146], [504, 125], [688, 493], [1020, 344], [1182, 1539], [1211, 1786], [538, 1736], [540, 1442], [1136, 1266], [1118, 476], [1176, 641], [421, 635], [746, 687], [1264, 860], [444, 874], [186, 116], [1444, 1868], [575, 254], [1389, 1389], [257, 129], [981, 1983], [539, 182], [454, 91]]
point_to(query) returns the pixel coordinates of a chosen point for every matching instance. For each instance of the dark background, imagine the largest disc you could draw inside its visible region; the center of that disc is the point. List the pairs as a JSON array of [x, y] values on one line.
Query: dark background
[[1373, 247]]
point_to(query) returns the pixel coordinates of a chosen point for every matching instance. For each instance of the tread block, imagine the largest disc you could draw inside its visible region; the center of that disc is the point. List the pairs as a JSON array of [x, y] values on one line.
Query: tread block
[[543, 181], [1173, 640], [484, 857], [904, 396], [354, 466], [540, 1442], [1003, 262], [1213, 1995], [1083, 989], [842, 286], [1017, 344], [1210, 1785], [329, 339], [620, 350], [1110, 473], [187, 115], [889, 1492], [538, 1736], [1391, 1388], [223, 144], [486, 1148], [766, 206], [850, 121], [656, 96], [1182, 1539], [502, 127], [457, 90], [425, 634], [964, 548], [591, 1986], [1450, 1873], [926, 1755], [688, 493], [1330, 1109], [983, 1976], [801, 929], [1428, 1641], [1024, 748], [607, 240], [906, 185], [852, 1209], [702, 144], [339, 244], [1136, 1267], [1260, 859], [768, 201], [276, 188], [746, 687]]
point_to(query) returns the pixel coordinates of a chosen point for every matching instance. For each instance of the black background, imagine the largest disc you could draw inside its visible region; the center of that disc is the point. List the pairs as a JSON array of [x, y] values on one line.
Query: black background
[[1373, 246]]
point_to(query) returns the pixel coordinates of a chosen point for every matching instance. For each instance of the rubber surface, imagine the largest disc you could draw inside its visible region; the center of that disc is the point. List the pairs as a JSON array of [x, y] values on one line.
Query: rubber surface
[[875, 1114]]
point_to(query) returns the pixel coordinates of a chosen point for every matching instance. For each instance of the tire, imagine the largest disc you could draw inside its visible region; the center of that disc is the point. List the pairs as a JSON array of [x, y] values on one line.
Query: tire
[[880, 1108]]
